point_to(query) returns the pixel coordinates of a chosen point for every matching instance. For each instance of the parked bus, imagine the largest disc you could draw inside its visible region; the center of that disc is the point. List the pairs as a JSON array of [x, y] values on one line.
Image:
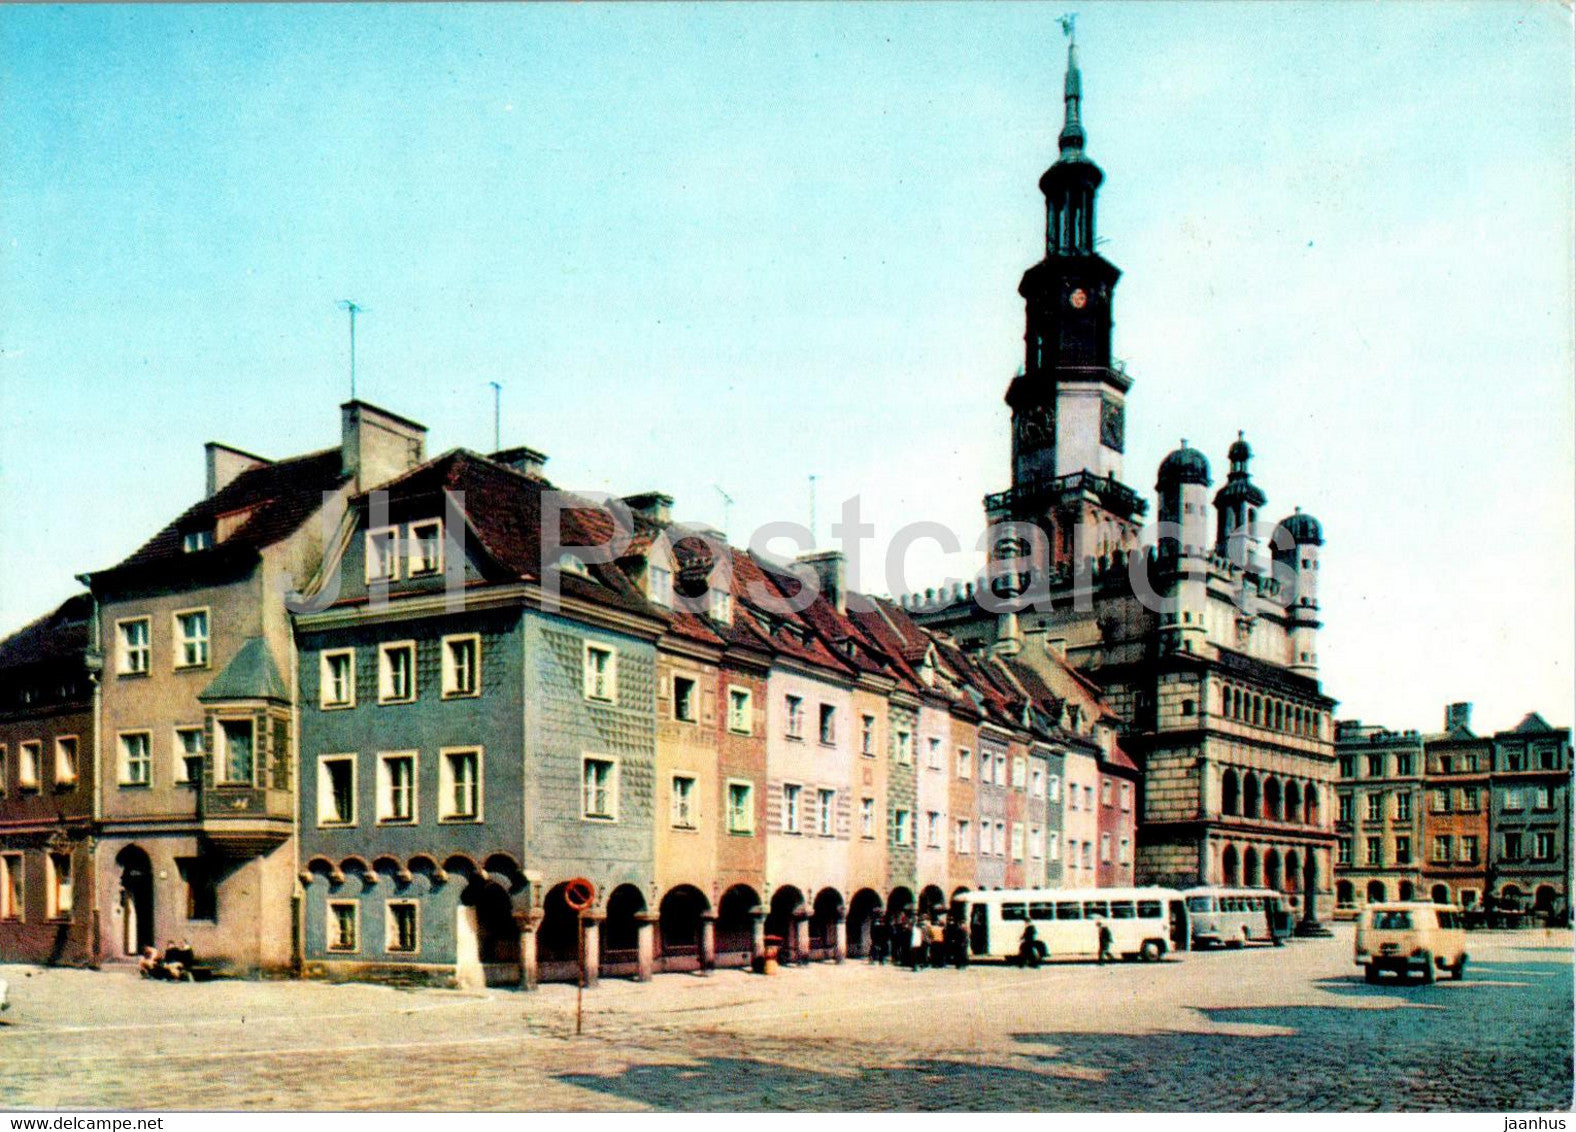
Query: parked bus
[[1145, 923], [1232, 917]]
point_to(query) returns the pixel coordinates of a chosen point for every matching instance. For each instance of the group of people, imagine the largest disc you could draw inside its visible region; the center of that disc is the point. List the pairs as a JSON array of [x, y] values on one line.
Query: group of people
[[176, 964], [916, 940]]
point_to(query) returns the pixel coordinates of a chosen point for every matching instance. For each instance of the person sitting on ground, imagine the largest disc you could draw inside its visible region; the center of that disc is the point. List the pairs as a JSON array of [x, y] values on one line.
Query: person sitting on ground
[[149, 965], [1029, 947]]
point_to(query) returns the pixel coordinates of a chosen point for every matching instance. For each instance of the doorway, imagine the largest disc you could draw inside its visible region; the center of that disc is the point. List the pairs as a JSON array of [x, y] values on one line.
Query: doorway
[[136, 900]]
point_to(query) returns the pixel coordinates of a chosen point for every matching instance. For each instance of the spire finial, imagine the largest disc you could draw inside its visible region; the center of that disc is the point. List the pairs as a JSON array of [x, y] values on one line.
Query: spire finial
[[1072, 137]]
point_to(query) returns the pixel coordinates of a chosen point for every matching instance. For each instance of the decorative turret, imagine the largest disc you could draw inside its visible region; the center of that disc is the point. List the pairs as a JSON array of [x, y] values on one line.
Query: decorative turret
[[1237, 510], [1181, 487], [1297, 545]]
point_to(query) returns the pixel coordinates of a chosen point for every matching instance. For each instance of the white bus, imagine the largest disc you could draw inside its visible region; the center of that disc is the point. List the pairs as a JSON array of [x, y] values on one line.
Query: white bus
[[1145, 923], [1232, 917]]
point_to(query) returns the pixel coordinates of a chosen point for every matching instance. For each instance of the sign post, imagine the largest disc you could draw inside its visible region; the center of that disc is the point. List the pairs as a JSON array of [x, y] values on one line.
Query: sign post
[[580, 894]]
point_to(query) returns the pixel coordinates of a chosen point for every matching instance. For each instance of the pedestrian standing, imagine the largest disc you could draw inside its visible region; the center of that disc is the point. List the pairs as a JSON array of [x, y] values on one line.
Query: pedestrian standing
[[879, 935], [1105, 942], [916, 943]]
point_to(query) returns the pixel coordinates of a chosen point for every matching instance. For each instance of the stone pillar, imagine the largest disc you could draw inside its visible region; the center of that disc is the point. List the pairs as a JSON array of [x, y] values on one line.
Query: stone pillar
[[757, 932], [529, 922], [840, 935], [645, 945], [591, 942], [801, 934], [708, 942]]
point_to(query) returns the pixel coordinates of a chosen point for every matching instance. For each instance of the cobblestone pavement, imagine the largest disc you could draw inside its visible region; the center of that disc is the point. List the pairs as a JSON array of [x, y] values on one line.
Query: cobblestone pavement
[[1262, 1029]]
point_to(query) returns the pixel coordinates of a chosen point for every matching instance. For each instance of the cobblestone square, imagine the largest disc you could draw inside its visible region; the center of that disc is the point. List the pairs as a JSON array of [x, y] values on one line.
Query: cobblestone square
[[1291, 1028]]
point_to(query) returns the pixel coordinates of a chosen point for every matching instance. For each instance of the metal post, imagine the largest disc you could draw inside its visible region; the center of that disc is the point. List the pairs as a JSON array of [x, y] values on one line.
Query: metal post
[[497, 415], [580, 987]]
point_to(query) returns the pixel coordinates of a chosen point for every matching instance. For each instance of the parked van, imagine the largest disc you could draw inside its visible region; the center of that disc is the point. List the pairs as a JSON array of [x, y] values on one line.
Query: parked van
[[1411, 938]]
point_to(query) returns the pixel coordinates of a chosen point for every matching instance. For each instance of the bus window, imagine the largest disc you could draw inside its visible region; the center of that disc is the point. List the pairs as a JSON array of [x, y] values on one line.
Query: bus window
[[1200, 904], [1014, 912], [1093, 908], [1042, 910], [1121, 909], [1150, 909], [1068, 910]]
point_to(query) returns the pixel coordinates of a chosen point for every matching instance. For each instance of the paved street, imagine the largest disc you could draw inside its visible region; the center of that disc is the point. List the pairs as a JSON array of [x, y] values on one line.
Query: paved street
[[1289, 1028]]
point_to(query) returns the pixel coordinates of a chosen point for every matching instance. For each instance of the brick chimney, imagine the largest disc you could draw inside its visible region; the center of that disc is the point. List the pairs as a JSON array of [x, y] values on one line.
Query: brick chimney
[[1458, 715], [651, 505], [225, 463], [830, 568], [377, 445], [527, 461]]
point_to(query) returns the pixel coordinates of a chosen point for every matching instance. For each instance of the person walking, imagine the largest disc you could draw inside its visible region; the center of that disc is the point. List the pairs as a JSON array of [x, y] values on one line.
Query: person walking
[[916, 943], [879, 936], [1105, 942], [958, 942]]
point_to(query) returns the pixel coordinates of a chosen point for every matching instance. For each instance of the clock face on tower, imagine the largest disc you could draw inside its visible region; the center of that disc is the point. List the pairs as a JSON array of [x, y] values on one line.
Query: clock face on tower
[[1078, 299]]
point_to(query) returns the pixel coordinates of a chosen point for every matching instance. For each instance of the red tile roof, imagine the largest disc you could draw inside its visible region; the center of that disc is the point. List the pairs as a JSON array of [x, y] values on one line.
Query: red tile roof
[[59, 635]]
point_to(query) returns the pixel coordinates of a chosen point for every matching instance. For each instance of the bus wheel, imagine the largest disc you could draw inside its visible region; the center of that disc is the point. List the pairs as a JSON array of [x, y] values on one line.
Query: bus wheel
[[1458, 972], [1428, 966], [1370, 974], [1151, 951]]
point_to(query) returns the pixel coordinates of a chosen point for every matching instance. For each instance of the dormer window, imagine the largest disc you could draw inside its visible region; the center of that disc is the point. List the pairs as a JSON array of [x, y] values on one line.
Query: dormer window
[[426, 548], [722, 607], [194, 541], [383, 554], [659, 585]]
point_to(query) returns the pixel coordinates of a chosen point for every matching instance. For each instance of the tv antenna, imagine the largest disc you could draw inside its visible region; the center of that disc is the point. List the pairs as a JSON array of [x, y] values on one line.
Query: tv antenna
[[350, 305], [812, 511], [727, 508], [497, 415]]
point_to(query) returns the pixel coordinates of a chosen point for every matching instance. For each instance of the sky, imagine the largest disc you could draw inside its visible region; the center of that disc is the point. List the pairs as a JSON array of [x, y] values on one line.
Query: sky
[[737, 246]]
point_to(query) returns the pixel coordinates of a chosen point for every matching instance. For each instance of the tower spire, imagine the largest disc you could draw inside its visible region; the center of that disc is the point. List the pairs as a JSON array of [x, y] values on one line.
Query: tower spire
[[1072, 137]]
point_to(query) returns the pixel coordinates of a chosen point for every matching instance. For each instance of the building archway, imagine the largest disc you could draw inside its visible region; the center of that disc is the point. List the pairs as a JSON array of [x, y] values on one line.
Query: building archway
[[1376, 892], [1272, 799], [1250, 795], [1405, 891], [736, 925], [558, 937], [619, 938], [1510, 898], [1230, 877], [1293, 802], [932, 901], [1310, 805], [1272, 870], [679, 919], [1440, 894], [1250, 867], [489, 934], [1543, 899], [1293, 868], [901, 900], [824, 914], [136, 899], [865, 904], [1230, 792], [786, 902]]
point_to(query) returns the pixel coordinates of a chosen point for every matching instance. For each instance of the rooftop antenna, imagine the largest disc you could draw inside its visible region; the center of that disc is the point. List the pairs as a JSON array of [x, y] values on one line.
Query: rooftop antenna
[[497, 415], [350, 305], [727, 507], [1069, 22], [812, 511]]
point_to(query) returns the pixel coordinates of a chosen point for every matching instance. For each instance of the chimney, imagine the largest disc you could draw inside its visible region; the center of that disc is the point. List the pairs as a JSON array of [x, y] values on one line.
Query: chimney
[[1458, 715], [225, 463], [377, 445], [527, 461], [651, 505], [829, 569]]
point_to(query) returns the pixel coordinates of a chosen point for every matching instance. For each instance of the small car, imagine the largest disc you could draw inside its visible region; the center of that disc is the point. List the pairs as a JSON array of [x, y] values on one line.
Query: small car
[[1411, 939]]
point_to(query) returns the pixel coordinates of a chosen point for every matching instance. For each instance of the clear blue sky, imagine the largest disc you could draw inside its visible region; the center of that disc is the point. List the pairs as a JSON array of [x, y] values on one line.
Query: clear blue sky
[[746, 244]]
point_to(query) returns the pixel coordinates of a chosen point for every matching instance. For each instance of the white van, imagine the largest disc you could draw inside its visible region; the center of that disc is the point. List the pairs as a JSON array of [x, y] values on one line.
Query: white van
[[1411, 938]]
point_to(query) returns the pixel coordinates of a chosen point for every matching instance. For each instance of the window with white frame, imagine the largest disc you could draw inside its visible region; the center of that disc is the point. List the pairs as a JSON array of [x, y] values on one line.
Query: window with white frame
[[963, 837], [29, 765], [1072, 796], [11, 887], [58, 888], [599, 788], [1017, 841], [1105, 791], [1037, 781], [933, 756], [660, 583], [722, 607], [402, 927], [965, 763], [905, 748], [790, 819], [460, 784], [462, 668], [741, 808], [601, 673], [1000, 840], [235, 754], [397, 672], [397, 787], [133, 649], [826, 812], [1088, 797], [1000, 770], [902, 827], [1127, 796], [187, 764], [1126, 857], [685, 694], [682, 803], [1088, 854], [1053, 845], [191, 639], [383, 554], [136, 762], [65, 761], [828, 725], [426, 547], [793, 711], [344, 924], [1053, 789], [336, 790], [987, 761], [932, 829], [985, 838], [193, 541], [867, 818], [867, 736], [337, 679], [1020, 772], [740, 710], [1036, 842]]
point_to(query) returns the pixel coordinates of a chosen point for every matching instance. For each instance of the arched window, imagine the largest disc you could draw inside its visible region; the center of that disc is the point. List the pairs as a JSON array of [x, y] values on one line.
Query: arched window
[[1344, 894], [1230, 792], [1250, 795], [1376, 892]]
